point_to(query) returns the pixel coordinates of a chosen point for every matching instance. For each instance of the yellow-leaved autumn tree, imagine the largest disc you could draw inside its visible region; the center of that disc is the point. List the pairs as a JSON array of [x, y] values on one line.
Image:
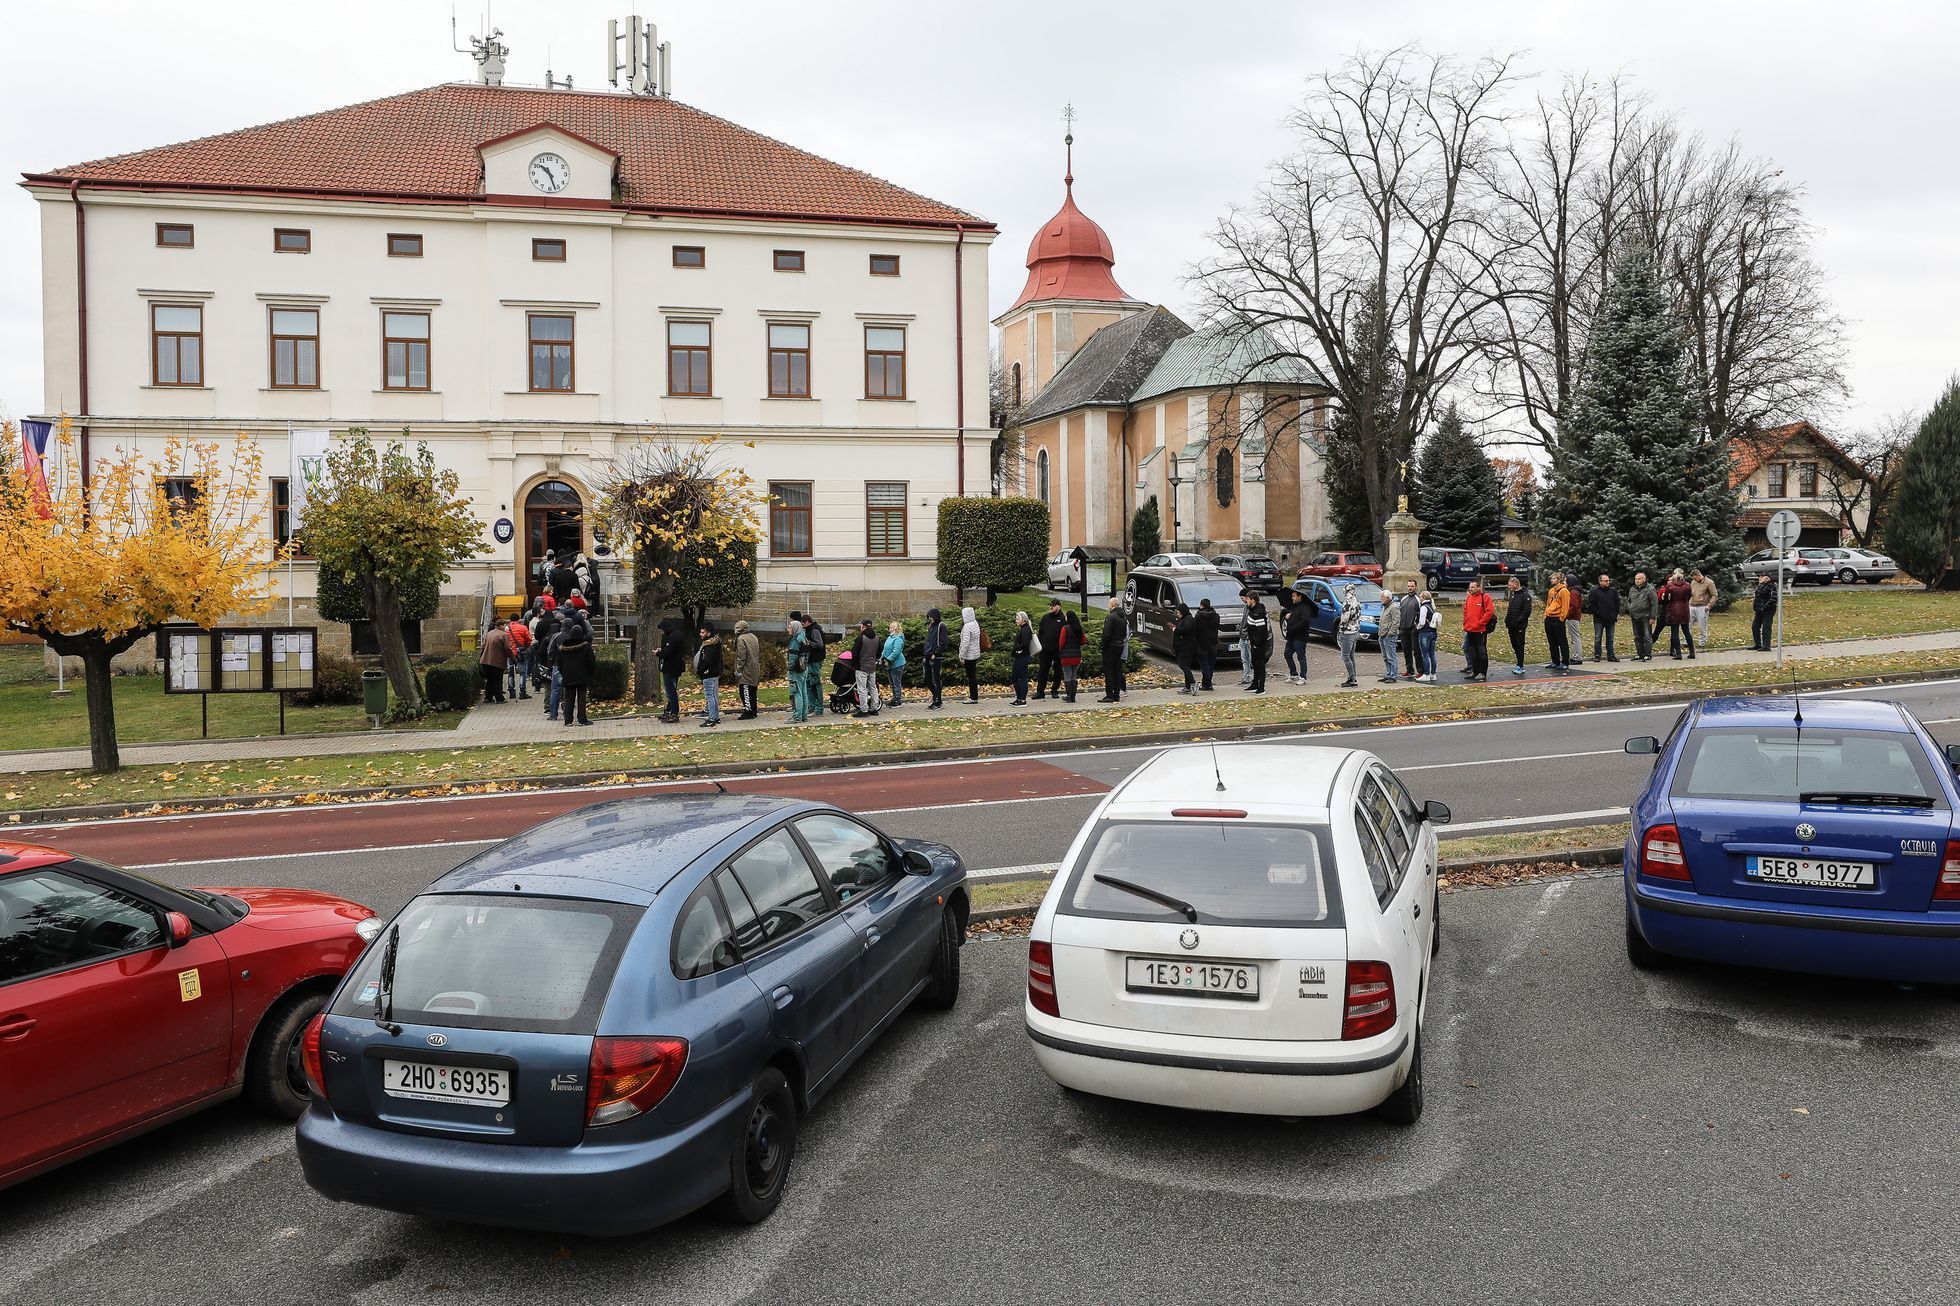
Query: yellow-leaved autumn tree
[[690, 521], [179, 536]]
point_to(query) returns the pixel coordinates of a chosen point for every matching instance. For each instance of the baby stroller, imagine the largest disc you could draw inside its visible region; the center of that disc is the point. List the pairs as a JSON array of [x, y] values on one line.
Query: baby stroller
[[843, 674]]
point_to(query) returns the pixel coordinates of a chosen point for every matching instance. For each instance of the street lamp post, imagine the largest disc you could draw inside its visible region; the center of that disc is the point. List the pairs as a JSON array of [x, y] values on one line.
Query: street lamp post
[[1177, 478]]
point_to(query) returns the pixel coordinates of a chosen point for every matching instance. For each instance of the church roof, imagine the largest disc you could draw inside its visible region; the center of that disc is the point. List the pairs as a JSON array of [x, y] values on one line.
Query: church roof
[[1070, 257], [1218, 357], [423, 146], [1105, 371]]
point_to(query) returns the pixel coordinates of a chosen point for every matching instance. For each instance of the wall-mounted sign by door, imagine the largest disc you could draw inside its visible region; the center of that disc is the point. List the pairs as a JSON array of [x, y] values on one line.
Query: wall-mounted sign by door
[[503, 530]]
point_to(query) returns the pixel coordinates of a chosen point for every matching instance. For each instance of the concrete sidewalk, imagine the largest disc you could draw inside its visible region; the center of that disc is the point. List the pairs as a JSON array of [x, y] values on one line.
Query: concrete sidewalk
[[523, 722]]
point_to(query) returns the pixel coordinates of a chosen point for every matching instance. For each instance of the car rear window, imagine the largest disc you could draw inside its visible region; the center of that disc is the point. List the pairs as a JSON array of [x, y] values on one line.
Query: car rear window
[[1362, 560], [496, 961], [1224, 594], [1779, 764], [1364, 590], [1231, 872]]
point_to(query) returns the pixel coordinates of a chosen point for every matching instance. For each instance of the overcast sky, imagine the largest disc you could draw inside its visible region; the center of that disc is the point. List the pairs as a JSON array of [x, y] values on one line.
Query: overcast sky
[[1178, 107]]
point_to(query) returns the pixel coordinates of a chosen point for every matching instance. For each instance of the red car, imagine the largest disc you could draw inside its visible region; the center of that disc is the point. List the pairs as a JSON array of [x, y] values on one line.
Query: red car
[[125, 1004], [1343, 562]]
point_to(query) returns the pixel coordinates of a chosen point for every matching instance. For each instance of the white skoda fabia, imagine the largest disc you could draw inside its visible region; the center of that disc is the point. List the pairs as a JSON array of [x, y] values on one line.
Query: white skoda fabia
[[1243, 928]]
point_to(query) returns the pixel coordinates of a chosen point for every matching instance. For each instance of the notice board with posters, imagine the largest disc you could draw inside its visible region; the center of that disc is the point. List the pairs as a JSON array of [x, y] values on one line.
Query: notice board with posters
[[240, 659]]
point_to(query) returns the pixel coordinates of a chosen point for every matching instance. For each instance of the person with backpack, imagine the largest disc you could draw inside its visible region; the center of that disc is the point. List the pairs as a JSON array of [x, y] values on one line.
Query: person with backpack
[[1428, 620], [1479, 620], [815, 649], [1295, 626], [938, 643], [1255, 640], [797, 659], [866, 649], [1517, 621], [518, 636]]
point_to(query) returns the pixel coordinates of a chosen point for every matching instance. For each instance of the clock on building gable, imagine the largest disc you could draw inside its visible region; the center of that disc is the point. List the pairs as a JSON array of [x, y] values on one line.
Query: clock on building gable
[[548, 162], [550, 173]]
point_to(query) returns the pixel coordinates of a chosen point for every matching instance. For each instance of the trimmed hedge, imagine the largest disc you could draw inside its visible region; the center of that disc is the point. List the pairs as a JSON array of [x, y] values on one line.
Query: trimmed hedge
[[612, 674], [454, 683], [999, 545], [336, 681]]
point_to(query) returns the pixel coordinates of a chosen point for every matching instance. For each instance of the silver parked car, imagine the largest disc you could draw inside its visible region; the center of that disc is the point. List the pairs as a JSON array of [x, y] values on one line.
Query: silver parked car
[[1064, 572], [1855, 564], [1802, 567]]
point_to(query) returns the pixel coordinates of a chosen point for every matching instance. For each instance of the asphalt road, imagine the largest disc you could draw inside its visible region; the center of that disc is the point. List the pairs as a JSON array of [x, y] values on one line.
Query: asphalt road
[[1547, 771], [1592, 1135]]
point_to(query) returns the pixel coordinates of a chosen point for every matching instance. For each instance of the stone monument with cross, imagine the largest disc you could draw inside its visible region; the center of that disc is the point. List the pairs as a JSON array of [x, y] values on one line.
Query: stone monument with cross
[[1404, 529]]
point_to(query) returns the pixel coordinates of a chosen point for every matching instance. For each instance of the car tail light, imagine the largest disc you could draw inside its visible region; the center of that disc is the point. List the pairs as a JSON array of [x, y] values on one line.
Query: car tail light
[[629, 1076], [1370, 999], [1661, 857], [309, 1055], [1041, 979], [1948, 888]]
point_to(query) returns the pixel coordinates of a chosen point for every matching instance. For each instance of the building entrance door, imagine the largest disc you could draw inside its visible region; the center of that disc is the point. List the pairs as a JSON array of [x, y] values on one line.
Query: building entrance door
[[554, 523]]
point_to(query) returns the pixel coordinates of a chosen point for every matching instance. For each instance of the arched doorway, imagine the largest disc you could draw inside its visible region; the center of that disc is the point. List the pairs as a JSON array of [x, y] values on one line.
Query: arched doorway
[[554, 522]]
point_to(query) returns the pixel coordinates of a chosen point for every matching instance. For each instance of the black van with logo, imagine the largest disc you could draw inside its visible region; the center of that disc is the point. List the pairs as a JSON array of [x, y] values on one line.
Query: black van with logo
[[1151, 598]]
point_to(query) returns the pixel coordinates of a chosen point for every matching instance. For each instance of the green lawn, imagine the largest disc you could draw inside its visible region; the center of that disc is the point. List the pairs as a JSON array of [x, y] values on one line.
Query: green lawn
[[32, 717], [481, 769]]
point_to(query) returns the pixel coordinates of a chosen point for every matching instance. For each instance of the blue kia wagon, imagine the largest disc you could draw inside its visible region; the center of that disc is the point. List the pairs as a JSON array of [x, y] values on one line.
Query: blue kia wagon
[[1814, 835], [619, 1016]]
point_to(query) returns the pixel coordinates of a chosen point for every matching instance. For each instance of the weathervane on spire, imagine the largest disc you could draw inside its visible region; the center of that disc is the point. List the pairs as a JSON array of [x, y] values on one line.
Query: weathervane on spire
[[1068, 144]]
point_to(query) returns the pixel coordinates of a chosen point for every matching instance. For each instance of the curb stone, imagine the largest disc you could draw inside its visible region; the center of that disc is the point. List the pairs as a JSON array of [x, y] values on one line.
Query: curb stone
[[976, 752]]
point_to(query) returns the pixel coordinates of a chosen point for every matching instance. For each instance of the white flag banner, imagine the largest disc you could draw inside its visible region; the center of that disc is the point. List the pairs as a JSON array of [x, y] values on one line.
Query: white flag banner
[[307, 447]]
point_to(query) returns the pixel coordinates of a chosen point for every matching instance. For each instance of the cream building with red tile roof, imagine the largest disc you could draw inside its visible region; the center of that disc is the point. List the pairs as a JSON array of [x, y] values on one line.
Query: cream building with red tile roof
[[529, 280]]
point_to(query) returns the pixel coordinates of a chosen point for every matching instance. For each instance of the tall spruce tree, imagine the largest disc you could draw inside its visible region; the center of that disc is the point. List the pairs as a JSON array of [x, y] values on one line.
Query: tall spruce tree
[[1459, 497], [1922, 530], [1348, 510], [1641, 488]]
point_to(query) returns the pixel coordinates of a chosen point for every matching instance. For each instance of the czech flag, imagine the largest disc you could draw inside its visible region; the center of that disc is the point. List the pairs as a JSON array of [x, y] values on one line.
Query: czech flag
[[34, 452]]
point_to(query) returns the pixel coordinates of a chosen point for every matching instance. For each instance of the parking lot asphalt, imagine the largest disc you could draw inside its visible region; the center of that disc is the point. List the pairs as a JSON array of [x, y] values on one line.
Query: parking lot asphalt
[[1593, 1134]]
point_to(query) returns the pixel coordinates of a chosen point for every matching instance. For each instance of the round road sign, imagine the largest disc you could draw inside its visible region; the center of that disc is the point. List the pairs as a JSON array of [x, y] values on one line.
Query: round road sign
[[1783, 529]]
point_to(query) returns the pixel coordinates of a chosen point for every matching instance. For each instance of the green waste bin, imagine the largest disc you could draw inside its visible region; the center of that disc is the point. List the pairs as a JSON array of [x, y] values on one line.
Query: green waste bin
[[374, 692]]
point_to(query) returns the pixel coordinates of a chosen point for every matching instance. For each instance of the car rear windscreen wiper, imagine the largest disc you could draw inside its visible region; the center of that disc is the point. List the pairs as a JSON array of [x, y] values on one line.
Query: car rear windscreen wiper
[[384, 986], [1842, 799], [1178, 905]]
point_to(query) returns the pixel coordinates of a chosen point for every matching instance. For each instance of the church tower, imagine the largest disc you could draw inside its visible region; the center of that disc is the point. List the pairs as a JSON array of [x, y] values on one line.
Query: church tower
[[1071, 293]]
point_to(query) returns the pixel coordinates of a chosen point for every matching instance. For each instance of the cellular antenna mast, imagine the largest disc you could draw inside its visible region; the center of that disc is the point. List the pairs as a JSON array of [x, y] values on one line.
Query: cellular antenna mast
[[634, 50], [488, 50]]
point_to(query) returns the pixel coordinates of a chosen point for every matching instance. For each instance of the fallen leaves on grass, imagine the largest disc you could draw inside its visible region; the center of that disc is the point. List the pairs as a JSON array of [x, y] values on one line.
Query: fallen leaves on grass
[[1494, 875]]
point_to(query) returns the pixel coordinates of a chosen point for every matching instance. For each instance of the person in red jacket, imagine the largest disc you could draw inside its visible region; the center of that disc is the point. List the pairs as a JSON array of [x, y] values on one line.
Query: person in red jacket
[[1479, 619], [1674, 614]]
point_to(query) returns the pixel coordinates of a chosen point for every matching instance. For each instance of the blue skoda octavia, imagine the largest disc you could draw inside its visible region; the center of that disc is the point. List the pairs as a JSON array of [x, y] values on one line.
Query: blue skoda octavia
[[1798, 834], [619, 1016]]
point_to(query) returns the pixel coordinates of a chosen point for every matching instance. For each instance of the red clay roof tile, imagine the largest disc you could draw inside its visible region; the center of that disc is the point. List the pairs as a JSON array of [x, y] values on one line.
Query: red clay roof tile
[[423, 145]]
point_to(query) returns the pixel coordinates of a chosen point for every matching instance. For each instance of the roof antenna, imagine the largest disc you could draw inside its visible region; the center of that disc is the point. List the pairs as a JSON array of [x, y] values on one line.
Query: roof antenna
[[720, 788], [1215, 772]]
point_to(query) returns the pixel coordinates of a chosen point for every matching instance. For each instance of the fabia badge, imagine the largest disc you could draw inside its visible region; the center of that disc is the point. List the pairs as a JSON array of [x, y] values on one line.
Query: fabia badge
[[438, 1040], [1806, 831], [1188, 939]]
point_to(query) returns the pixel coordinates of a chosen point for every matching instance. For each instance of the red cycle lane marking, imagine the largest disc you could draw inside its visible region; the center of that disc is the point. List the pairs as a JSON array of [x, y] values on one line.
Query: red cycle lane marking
[[497, 816]]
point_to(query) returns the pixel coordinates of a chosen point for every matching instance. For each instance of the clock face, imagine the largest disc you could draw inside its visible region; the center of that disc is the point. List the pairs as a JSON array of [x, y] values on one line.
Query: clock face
[[550, 172]]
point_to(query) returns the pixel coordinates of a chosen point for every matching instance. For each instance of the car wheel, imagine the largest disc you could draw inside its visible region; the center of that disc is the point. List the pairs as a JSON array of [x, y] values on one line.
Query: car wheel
[[275, 1075], [1404, 1105], [759, 1166], [1848, 576], [943, 978], [1644, 955]]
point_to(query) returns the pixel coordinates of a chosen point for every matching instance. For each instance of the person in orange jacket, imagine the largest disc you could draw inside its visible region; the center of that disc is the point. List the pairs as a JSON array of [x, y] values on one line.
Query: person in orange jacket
[[1479, 619], [1558, 607]]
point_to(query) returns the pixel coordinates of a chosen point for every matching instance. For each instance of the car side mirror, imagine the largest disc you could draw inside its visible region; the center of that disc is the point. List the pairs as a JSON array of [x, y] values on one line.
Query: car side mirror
[[1953, 754], [1436, 813], [179, 927], [917, 863], [1641, 744]]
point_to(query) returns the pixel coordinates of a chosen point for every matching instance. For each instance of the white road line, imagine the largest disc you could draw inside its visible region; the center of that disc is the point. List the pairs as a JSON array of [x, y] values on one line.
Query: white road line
[[1521, 938], [1488, 761], [983, 802], [1032, 871], [1548, 818], [318, 852]]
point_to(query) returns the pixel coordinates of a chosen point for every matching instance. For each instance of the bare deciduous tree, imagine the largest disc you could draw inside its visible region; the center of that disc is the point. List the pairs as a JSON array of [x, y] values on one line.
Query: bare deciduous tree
[[1382, 209], [1879, 449]]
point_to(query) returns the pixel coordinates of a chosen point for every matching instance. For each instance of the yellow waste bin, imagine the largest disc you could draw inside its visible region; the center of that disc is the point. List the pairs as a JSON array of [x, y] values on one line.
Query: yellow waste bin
[[466, 639]]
